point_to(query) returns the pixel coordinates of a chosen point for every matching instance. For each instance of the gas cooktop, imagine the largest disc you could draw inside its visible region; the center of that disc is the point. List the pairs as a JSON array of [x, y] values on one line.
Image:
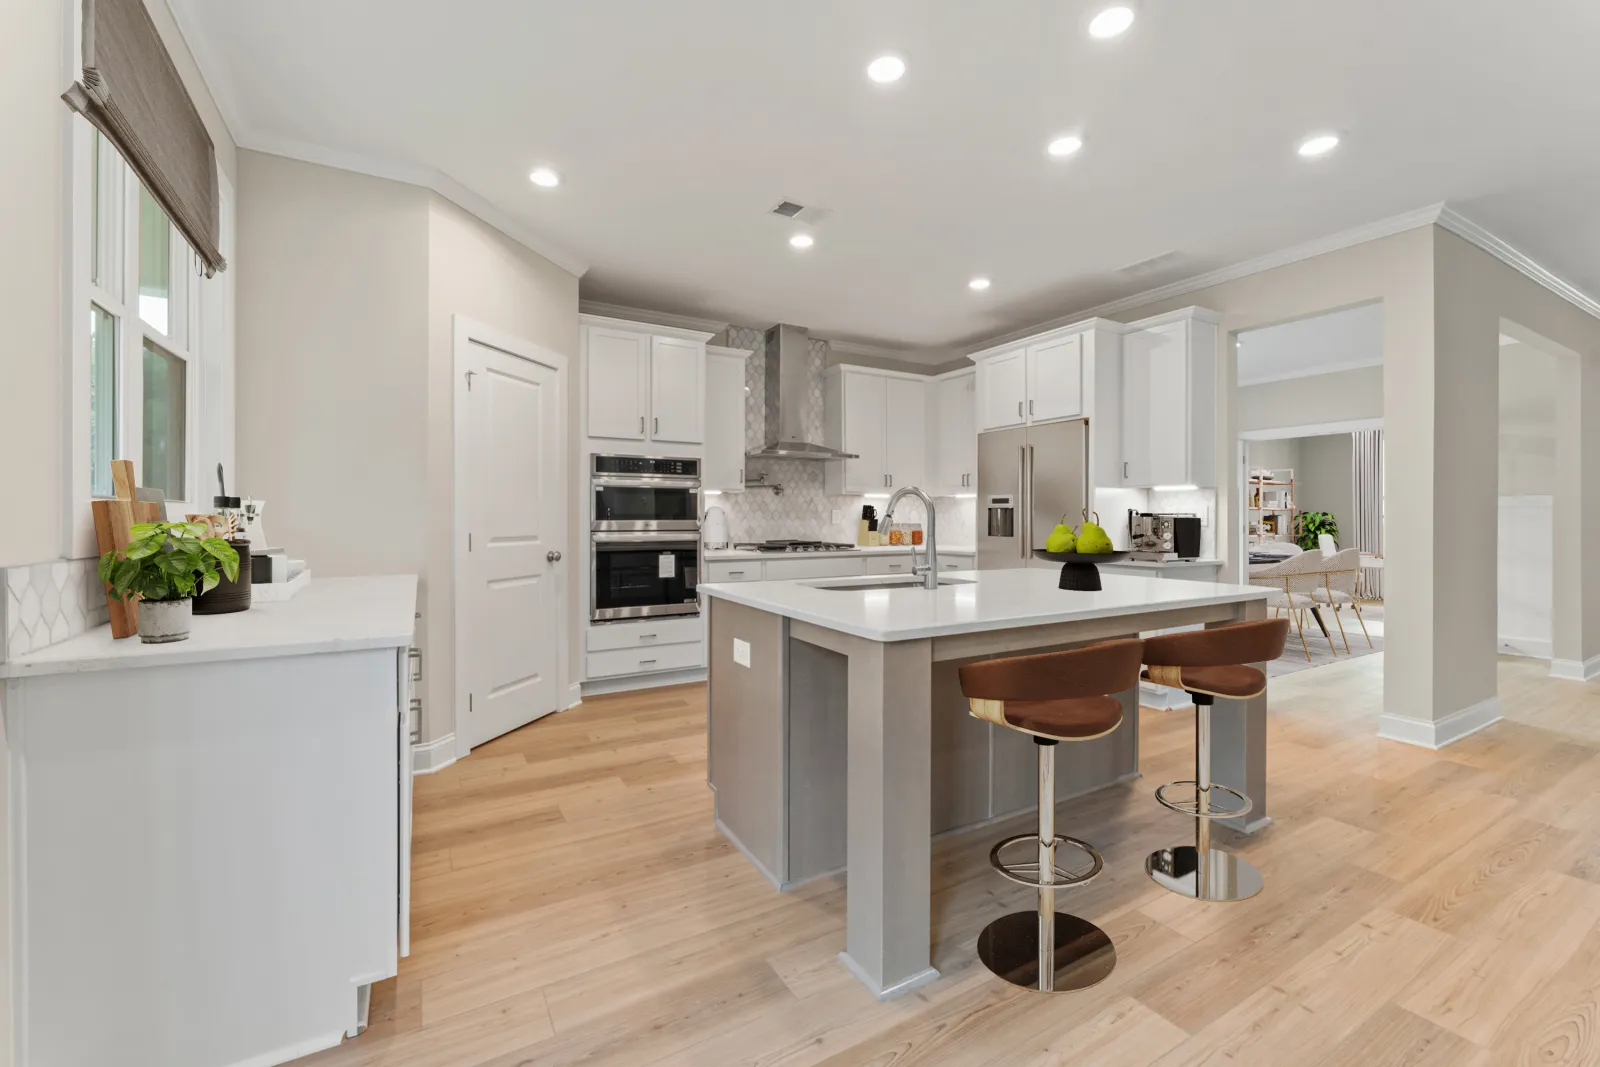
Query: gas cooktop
[[795, 546]]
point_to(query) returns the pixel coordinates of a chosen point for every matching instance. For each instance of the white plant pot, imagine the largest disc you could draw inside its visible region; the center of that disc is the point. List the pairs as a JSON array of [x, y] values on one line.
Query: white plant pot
[[161, 621]]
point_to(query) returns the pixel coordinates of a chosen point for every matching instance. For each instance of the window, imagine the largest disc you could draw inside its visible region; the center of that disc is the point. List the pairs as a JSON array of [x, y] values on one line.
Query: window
[[143, 371]]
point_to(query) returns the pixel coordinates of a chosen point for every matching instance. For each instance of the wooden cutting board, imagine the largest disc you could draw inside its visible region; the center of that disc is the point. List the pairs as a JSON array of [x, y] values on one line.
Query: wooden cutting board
[[113, 521]]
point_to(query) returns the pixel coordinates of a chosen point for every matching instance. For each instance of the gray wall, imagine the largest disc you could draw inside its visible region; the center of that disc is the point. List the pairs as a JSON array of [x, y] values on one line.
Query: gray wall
[[1326, 481]]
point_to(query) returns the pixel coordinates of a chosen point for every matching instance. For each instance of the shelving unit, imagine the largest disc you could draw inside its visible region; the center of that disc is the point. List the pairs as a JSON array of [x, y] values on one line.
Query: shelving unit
[[1270, 504]]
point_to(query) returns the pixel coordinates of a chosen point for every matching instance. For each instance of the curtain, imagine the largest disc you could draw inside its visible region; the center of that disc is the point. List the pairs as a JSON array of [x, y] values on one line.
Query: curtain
[[132, 92], [1366, 457]]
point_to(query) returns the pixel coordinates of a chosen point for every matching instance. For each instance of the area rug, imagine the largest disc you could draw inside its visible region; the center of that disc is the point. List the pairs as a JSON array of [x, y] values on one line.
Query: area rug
[[1294, 656]]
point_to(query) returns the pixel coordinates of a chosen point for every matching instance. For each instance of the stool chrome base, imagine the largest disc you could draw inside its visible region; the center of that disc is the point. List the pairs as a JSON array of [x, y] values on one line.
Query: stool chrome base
[[1228, 877], [1084, 954]]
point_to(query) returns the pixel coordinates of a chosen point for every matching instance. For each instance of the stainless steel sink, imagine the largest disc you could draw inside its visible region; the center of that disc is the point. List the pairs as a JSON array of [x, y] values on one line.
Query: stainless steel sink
[[890, 581]]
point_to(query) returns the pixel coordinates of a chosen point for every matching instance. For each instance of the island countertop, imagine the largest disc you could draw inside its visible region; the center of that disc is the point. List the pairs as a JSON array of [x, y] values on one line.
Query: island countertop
[[976, 601], [329, 615]]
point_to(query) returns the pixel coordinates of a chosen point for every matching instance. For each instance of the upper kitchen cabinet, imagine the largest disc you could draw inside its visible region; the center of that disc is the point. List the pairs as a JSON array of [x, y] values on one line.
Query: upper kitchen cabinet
[[1038, 381], [644, 383], [881, 417], [1055, 379], [1169, 399], [723, 468], [1002, 390], [954, 434]]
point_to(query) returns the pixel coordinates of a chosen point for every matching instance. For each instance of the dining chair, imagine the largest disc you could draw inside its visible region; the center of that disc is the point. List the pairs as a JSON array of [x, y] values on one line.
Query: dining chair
[[1292, 583], [1328, 545], [1339, 584]]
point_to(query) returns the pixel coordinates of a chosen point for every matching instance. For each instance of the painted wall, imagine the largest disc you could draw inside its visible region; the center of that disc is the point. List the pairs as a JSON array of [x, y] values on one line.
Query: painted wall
[[1327, 481], [476, 271], [1345, 396]]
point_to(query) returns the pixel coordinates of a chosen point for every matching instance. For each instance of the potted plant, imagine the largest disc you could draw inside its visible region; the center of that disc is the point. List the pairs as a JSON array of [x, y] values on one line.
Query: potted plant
[[166, 565], [1309, 524]]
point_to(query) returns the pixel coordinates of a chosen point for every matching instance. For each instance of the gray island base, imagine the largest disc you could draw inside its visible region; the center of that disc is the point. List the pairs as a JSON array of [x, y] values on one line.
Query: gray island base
[[840, 741]]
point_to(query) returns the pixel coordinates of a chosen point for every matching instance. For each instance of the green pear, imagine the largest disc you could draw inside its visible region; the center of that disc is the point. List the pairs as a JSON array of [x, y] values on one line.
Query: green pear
[[1092, 539], [1061, 539]]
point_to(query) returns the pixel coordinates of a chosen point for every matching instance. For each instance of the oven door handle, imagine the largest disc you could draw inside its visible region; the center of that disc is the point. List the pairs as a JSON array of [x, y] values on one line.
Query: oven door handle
[[610, 482], [642, 539]]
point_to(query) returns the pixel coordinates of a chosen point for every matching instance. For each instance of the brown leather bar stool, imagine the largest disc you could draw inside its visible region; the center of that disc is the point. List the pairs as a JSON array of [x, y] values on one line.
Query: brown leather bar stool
[[1208, 664], [1058, 696]]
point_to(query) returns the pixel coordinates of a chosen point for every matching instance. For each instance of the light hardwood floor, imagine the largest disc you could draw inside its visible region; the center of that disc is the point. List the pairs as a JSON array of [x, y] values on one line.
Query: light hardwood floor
[[573, 905]]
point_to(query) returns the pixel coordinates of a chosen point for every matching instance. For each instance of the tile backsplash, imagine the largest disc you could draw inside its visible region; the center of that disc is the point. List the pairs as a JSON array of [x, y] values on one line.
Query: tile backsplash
[[47, 603], [805, 509]]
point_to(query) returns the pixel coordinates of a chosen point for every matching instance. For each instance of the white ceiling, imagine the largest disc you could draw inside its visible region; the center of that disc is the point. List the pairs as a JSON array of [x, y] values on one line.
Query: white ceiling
[[677, 126], [1325, 344]]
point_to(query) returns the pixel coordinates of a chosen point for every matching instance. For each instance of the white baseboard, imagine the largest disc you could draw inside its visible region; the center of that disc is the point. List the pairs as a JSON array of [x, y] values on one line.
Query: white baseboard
[[1529, 647], [1576, 670], [430, 756], [643, 681], [1437, 733], [574, 696]]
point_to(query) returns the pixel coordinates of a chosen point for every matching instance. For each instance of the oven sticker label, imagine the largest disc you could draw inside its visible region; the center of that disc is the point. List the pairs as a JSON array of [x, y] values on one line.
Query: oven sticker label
[[667, 565]]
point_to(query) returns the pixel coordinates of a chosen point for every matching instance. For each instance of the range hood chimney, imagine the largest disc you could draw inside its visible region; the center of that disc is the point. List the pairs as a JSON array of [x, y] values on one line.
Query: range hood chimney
[[789, 399]]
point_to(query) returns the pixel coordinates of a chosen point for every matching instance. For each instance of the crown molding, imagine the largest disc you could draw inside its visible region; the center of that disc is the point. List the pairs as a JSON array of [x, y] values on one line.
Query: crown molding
[[1469, 231], [225, 92], [922, 357], [645, 315]]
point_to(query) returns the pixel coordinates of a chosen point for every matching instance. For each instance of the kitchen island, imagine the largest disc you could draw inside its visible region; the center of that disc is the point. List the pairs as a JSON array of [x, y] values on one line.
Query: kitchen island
[[839, 739]]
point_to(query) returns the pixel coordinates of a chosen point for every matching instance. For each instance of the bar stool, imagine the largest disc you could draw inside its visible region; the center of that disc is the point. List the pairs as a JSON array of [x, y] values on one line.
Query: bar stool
[[1208, 664], [1058, 696]]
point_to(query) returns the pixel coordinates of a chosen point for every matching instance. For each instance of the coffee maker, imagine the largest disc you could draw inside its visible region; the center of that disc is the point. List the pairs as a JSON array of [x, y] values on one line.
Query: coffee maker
[[1161, 537]]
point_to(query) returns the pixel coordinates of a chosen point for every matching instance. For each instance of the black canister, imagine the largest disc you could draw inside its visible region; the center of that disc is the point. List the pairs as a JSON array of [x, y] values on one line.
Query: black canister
[[229, 596]]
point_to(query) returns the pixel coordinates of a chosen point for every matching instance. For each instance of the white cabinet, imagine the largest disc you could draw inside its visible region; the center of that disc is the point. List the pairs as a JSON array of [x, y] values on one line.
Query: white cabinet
[[882, 418], [619, 383], [677, 390], [1055, 379], [1003, 390], [954, 434], [950, 561], [723, 467], [644, 383], [1169, 400]]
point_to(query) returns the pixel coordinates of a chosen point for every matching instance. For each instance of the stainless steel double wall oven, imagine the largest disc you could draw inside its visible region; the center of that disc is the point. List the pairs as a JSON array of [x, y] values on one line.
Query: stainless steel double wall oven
[[645, 529]]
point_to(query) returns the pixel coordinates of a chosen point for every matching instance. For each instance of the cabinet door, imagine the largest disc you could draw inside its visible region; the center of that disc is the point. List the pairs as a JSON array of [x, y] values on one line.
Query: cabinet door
[[906, 422], [1055, 380], [955, 435], [864, 433], [1136, 409], [1003, 390], [1155, 406], [723, 467], [677, 390], [619, 383]]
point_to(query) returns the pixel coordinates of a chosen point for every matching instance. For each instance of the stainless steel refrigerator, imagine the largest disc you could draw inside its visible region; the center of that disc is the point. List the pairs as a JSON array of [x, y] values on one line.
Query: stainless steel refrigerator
[[1029, 479]]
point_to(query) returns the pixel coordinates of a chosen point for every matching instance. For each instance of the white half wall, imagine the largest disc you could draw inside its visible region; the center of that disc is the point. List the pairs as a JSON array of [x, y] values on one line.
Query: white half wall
[[1526, 575]]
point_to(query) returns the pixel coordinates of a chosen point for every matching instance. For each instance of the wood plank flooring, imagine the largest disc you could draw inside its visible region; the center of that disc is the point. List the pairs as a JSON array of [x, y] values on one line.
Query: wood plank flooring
[[573, 905]]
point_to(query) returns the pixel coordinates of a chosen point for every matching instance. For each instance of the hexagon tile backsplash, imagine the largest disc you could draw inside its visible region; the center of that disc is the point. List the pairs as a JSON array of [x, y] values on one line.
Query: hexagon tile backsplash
[[47, 603], [805, 510]]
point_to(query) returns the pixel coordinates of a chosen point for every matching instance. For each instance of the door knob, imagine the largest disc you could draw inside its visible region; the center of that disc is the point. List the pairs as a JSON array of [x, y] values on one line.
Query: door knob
[[553, 556]]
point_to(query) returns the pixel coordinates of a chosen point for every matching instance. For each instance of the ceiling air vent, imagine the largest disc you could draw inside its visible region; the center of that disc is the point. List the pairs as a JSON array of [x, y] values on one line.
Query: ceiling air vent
[[788, 209], [1151, 265]]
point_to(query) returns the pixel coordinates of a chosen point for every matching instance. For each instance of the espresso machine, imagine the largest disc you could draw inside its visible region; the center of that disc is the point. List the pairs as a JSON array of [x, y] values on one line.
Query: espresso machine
[[1161, 537]]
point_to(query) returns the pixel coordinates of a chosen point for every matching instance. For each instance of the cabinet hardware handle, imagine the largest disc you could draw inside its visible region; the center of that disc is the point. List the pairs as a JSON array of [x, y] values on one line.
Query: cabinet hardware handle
[[1124, 470], [647, 637], [734, 574], [1030, 407], [641, 424], [658, 425], [1019, 409], [644, 661]]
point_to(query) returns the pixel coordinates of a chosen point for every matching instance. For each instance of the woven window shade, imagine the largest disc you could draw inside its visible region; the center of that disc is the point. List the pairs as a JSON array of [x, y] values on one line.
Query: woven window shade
[[132, 92]]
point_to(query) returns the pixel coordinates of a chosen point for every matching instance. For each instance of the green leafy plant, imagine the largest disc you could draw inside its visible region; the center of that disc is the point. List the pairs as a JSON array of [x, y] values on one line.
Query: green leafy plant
[[1308, 525], [168, 561]]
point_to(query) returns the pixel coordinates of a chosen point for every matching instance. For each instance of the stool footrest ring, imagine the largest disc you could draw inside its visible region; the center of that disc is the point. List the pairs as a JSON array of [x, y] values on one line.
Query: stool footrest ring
[[1027, 872], [1191, 806]]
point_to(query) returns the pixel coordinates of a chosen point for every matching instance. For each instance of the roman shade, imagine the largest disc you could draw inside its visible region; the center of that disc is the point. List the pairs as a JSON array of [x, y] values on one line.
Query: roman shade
[[132, 92]]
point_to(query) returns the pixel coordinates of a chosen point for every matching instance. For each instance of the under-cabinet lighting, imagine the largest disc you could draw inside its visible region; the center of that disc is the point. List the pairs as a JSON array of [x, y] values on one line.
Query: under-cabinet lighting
[[1173, 488], [712, 492]]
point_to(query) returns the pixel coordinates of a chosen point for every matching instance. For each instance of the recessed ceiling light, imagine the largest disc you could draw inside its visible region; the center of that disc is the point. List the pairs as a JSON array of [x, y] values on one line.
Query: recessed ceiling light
[[545, 178], [1065, 146], [979, 283], [886, 69], [1319, 145], [1111, 22], [801, 240]]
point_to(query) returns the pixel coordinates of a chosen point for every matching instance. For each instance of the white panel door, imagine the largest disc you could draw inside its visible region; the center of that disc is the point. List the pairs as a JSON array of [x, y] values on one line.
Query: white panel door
[[905, 423], [677, 390], [1055, 380], [508, 621], [865, 433], [723, 467], [619, 383], [1003, 390]]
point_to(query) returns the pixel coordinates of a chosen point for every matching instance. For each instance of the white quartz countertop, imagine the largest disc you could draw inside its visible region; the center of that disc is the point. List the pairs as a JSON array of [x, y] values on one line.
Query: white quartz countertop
[[993, 600], [329, 615], [1163, 564], [716, 554]]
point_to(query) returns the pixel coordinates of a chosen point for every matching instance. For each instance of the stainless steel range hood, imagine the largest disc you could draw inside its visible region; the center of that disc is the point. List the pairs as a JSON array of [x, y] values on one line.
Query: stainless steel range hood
[[790, 399]]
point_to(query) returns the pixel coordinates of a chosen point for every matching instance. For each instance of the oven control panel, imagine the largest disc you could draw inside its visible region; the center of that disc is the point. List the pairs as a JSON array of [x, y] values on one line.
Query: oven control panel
[[647, 465]]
